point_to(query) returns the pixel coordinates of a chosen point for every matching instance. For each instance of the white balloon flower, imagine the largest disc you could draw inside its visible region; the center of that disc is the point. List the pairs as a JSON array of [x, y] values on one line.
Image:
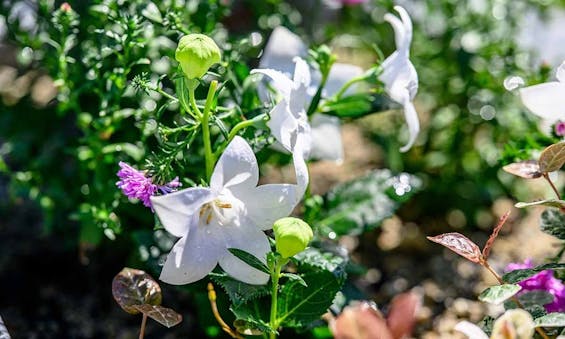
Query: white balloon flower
[[399, 75], [320, 137], [547, 100], [232, 213]]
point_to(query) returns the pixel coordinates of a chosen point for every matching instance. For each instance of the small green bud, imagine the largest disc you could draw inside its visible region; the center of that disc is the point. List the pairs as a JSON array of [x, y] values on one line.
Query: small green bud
[[196, 53], [292, 236]]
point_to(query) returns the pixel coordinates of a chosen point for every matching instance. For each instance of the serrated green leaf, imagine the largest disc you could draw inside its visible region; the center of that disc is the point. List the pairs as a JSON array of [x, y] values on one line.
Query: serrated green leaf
[[363, 204], [498, 294], [553, 223], [298, 305], [324, 275], [253, 313], [519, 275], [547, 202], [250, 259], [556, 319], [239, 292]]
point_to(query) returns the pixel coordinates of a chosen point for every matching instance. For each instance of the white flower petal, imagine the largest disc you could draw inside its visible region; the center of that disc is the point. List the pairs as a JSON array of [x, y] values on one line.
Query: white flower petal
[[251, 240], [407, 23], [471, 330], [194, 256], [545, 100], [268, 203], [413, 124], [280, 82], [175, 210], [560, 73], [237, 167], [339, 75], [282, 124], [301, 170], [399, 31], [326, 138], [282, 47], [301, 72]]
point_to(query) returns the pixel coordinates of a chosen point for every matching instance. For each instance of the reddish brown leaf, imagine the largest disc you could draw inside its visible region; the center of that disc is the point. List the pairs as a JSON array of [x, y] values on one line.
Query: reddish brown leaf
[[360, 322], [552, 158], [402, 315], [135, 287], [459, 244], [165, 316], [525, 169], [495, 231]]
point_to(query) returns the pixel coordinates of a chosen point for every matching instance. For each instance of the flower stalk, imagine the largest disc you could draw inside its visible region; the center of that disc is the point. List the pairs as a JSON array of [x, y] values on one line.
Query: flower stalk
[[210, 158]]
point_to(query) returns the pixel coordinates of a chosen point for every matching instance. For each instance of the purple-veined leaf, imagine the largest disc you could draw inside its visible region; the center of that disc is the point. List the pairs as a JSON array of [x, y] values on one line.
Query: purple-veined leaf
[[495, 231], [133, 287], [165, 316], [459, 244], [528, 169], [552, 158]]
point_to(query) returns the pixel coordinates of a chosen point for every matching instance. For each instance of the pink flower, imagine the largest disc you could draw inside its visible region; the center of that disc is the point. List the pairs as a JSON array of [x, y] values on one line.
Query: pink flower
[[560, 128], [544, 281], [135, 184]]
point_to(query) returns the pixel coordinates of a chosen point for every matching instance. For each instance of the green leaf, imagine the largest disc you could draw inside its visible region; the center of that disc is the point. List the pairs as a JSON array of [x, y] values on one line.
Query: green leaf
[[324, 275], [239, 292], [253, 314], [498, 294], [519, 275], [553, 223], [547, 202], [357, 106], [363, 204], [531, 298], [182, 93], [294, 277], [250, 259], [299, 305], [556, 319]]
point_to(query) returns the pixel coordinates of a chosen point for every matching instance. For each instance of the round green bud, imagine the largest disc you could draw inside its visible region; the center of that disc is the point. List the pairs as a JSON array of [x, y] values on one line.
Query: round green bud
[[196, 53], [292, 236]]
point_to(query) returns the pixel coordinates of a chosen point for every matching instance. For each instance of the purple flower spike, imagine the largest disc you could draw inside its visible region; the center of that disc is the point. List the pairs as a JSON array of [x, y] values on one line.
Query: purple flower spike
[[544, 281], [135, 184], [560, 128]]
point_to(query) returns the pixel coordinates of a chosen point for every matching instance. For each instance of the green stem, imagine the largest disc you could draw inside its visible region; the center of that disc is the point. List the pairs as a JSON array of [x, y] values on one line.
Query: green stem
[[316, 100], [209, 155], [348, 84], [273, 322], [238, 127], [192, 84], [555, 190]]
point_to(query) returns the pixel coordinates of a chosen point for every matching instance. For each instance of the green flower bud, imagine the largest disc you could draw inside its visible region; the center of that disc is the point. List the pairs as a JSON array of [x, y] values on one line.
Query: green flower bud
[[196, 53], [292, 236]]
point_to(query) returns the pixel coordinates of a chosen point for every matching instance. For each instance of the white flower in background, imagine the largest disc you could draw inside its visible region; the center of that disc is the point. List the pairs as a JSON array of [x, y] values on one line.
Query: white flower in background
[[516, 323], [231, 213], [289, 122], [399, 75], [547, 100], [324, 139]]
